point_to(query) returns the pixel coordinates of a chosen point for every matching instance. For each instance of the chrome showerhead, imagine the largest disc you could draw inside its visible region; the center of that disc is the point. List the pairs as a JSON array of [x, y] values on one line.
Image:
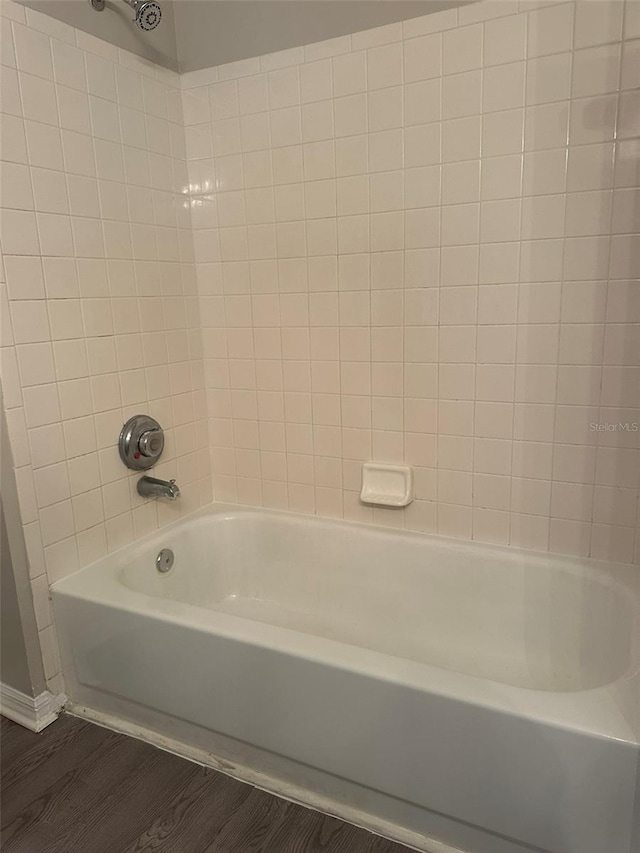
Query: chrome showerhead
[[148, 12]]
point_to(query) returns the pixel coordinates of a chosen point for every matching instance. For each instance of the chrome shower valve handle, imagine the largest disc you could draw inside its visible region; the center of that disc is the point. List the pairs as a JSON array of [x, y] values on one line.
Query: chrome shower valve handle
[[141, 442]]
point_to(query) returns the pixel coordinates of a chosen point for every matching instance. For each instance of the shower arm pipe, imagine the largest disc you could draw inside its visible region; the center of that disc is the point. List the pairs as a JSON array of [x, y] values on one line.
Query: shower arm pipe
[[133, 4], [98, 5]]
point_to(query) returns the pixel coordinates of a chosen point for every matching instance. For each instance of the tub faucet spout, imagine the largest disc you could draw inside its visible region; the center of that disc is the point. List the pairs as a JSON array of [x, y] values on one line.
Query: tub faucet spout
[[150, 487]]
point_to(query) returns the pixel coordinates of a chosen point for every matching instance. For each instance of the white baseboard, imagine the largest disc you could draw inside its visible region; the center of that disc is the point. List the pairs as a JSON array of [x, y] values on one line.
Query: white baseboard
[[32, 712]]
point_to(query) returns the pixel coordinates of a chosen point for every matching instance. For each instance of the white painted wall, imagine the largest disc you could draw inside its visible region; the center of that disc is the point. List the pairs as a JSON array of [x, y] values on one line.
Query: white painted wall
[[20, 654], [14, 665]]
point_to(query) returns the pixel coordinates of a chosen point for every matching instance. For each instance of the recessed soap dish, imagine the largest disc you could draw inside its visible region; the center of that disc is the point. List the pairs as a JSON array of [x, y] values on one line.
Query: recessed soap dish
[[386, 485]]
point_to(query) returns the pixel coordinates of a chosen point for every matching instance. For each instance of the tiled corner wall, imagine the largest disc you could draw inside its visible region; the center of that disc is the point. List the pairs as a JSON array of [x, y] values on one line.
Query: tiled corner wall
[[420, 244], [99, 310]]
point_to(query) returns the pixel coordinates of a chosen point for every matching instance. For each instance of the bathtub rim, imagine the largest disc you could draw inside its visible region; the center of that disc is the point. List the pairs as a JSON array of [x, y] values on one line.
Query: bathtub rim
[[605, 711], [227, 511]]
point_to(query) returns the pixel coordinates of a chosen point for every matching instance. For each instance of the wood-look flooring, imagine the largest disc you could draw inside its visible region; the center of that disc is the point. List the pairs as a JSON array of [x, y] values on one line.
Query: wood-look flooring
[[78, 788]]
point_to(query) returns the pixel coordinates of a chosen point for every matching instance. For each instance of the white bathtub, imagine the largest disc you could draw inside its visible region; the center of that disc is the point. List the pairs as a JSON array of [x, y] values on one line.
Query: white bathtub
[[427, 688]]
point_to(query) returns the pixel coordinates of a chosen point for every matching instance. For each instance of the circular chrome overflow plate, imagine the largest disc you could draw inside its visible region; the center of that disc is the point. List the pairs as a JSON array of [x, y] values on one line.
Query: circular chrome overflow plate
[[165, 560]]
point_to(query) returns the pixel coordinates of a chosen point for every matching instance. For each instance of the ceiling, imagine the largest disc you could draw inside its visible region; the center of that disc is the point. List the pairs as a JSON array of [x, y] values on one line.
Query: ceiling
[[198, 34], [212, 32]]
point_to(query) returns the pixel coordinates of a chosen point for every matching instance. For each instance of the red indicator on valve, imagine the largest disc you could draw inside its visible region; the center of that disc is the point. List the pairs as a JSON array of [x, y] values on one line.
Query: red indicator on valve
[[136, 455]]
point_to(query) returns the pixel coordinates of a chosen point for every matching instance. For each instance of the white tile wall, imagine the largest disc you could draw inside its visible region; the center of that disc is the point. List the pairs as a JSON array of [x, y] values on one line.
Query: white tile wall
[[99, 303], [419, 244]]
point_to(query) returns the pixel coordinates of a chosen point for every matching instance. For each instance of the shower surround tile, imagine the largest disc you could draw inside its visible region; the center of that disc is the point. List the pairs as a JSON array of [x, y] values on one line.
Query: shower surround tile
[[441, 196], [100, 307], [414, 244]]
